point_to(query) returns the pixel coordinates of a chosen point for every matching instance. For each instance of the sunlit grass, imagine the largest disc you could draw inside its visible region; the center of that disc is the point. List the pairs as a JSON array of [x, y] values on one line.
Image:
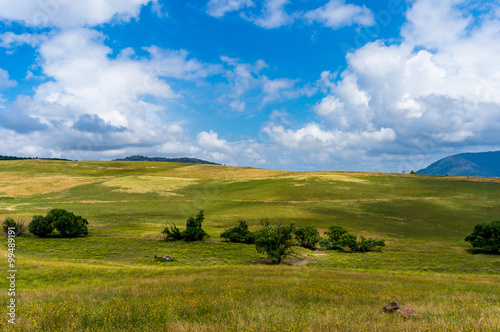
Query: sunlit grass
[[109, 280]]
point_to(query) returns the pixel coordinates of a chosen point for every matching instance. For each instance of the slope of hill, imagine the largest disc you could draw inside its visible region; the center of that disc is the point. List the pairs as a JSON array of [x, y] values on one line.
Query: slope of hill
[[110, 281], [172, 160], [486, 164]]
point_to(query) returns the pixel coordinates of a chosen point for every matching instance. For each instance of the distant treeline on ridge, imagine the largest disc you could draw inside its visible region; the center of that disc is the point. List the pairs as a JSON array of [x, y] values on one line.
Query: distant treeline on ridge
[[172, 160], [26, 158]]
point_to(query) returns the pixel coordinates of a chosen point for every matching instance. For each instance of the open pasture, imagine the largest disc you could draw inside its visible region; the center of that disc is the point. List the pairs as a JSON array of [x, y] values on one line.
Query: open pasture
[[108, 281]]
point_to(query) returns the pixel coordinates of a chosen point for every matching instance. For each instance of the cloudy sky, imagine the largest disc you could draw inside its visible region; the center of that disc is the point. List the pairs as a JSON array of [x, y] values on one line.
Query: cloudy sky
[[285, 84]]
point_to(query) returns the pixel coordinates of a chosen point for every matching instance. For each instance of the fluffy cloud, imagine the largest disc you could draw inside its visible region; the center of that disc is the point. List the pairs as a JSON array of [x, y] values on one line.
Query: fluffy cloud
[[10, 39], [336, 14], [244, 79], [65, 13], [5, 81], [219, 8], [274, 14], [436, 90], [173, 63]]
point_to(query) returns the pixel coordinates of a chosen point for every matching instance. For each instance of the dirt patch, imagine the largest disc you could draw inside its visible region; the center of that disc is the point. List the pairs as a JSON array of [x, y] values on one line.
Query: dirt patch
[[285, 261]]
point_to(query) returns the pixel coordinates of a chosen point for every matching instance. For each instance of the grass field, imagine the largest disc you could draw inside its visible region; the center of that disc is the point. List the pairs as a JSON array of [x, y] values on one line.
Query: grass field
[[109, 281]]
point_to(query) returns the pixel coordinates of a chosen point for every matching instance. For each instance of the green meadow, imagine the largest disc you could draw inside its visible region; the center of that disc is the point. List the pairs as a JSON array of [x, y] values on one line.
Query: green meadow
[[109, 281]]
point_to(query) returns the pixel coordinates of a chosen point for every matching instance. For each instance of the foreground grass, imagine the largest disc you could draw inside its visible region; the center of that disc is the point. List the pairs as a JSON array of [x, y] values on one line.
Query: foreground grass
[[109, 282], [251, 298]]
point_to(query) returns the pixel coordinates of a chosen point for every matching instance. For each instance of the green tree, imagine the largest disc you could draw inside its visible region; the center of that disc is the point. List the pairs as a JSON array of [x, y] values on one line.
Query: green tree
[[239, 233], [276, 242], [40, 226], [486, 236], [66, 223], [307, 236], [334, 233], [193, 231], [348, 240]]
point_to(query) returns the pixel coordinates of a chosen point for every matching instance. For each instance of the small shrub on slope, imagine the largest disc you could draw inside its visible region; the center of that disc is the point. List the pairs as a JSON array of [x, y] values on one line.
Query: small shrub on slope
[[239, 233]]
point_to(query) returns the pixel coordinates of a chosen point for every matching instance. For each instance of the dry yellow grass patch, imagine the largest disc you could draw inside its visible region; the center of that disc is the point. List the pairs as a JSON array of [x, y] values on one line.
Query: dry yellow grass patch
[[224, 172], [18, 184], [333, 177], [165, 186]]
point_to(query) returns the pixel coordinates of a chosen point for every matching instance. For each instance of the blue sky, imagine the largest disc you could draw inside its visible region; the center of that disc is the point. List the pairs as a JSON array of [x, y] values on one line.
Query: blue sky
[[285, 84]]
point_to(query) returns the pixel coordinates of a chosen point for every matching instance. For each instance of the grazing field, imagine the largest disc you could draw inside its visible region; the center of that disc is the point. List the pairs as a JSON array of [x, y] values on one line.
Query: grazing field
[[108, 281]]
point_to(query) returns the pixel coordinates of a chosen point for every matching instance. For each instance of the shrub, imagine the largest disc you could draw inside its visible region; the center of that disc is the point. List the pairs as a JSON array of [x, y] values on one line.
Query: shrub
[[172, 233], [348, 240], [19, 227], [307, 236], [66, 223], [365, 244], [334, 233], [239, 233], [276, 242], [40, 226], [486, 236], [361, 245], [193, 231]]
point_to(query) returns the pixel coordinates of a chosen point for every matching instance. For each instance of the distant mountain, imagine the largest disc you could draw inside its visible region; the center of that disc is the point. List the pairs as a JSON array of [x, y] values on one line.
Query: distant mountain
[[172, 160], [485, 164]]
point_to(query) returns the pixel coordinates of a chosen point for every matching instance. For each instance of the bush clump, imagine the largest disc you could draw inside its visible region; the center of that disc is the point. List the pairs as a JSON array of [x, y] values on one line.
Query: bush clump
[[239, 234], [19, 228], [193, 231], [339, 237], [486, 236], [64, 222], [307, 236]]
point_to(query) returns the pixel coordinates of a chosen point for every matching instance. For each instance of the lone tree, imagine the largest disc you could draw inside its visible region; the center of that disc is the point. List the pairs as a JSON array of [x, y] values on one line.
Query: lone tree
[[66, 224], [276, 242], [486, 236], [239, 233], [193, 231]]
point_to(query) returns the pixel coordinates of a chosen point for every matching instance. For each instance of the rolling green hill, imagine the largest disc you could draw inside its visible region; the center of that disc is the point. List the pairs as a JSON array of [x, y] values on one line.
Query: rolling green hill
[[109, 280]]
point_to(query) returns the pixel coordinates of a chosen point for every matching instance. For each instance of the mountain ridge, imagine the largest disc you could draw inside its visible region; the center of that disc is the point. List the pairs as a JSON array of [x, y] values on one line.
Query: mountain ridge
[[484, 164]]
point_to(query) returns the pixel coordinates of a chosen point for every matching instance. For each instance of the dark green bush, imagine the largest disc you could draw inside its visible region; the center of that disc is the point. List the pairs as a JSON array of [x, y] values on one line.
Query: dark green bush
[[348, 240], [486, 236], [193, 231], [239, 233], [67, 224], [361, 245], [307, 236], [40, 226], [334, 233]]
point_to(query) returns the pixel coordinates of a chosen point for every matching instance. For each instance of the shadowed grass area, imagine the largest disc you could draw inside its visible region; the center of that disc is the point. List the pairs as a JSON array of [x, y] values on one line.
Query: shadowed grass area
[[109, 281]]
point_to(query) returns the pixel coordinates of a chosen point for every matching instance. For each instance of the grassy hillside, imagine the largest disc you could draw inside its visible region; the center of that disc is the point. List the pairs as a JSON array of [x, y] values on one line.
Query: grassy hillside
[[108, 280]]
